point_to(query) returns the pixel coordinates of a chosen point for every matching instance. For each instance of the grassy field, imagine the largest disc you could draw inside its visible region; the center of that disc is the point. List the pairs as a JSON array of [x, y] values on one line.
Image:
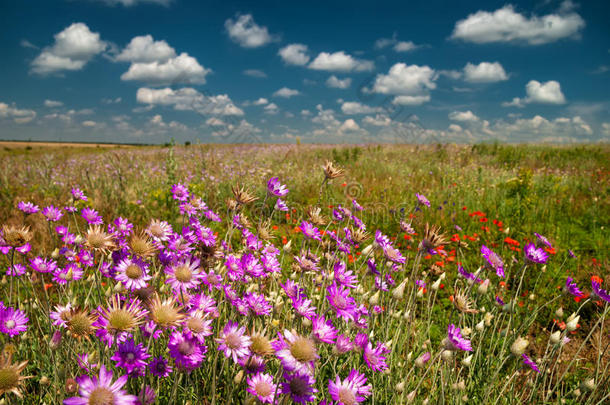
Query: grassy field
[[387, 323]]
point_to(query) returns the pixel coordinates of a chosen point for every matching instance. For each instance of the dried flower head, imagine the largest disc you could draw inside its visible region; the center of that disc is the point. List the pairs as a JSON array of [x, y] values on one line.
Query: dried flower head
[[462, 303], [165, 313], [98, 239], [242, 195], [359, 235], [264, 230], [10, 374], [433, 238], [80, 323], [314, 214], [330, 171], [141, 245], [16, 237]]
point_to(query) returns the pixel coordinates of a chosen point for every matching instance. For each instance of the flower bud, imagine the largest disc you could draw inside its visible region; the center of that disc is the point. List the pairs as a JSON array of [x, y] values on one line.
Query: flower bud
[[411, 396], [55, 340], [399, 292], [400, 387], [287, 246], [483, 287], [559, 312], [519, 345], [367, 250], [555, 337], [374, 300], [447, 355], [572, 322], [480, 326], [436, 285], [466, 362], [588, 384], [238, 377], [421, 361]]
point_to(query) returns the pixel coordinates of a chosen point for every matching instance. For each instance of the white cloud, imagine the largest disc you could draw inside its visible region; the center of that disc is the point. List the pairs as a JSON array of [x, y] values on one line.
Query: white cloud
[[214, 122], [506, 25], [455, 128], [411, 100], [271, 108], [349, 125], [73, 48], [112, 100], [285, 92], [181, 69], [144, 49], [340, 62], [245, 32], [89, 123], [337, 83], [255, 73], [52, 103], [484, 72], [406, 80], [539, 93], [354, 107], [305, 113], [188, 99], [538, 128], [606, 129], [294, 54], [260, 101], [405, 46], [463, 116], [19, 116], [378, 120]]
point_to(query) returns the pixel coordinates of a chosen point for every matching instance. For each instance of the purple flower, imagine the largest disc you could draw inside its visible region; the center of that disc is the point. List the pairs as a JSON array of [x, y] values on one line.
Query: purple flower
[[102, 388], [78, 194], [342, 303], [12, 321], [131, 357], [296, 353], [67, 274], [16, 270], [52, 213], [280, 205], [350, 391], [375, 357], [180, 192], [275, 188], [530, 362], [91, 216], [345, 277], [597, 290], [310, 231], [258, 304], [133, 273], [184, 275], [28, 207], [455, 340], [187, 351], [543, 240], [572, 288], [343, 344], [233, 342], [535, 254], [422, 200], [323, 330], [261, 385], [302, 305], [160, 367], [467, 275], [494, 262], [500, 301], [300, 387]]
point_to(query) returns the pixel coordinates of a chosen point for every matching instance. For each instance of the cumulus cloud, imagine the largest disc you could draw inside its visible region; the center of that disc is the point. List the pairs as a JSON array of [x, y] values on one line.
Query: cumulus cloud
[[294, 54], [246, 33], [405, 46], [144, 49], [188, 99], [89, 123], [463, 116], [507, 25], [214, 122], [340, 62], [337, 83], [539, 93], [255, 73], [349, 125], [73, 48], [285, 92], [398, 46], [354, 107], [484, 72], [52, 103], [19, 116], [271, 109], [260, 101], [181, 69], [379, 120], [538, 128], [410, 83]]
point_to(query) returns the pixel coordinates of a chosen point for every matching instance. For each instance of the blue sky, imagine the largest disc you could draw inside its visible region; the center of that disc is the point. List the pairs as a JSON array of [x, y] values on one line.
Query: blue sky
[[354, 71]]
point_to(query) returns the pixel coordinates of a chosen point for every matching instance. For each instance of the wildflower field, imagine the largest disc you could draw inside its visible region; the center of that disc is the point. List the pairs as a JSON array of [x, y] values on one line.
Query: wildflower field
[[305, 274]]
